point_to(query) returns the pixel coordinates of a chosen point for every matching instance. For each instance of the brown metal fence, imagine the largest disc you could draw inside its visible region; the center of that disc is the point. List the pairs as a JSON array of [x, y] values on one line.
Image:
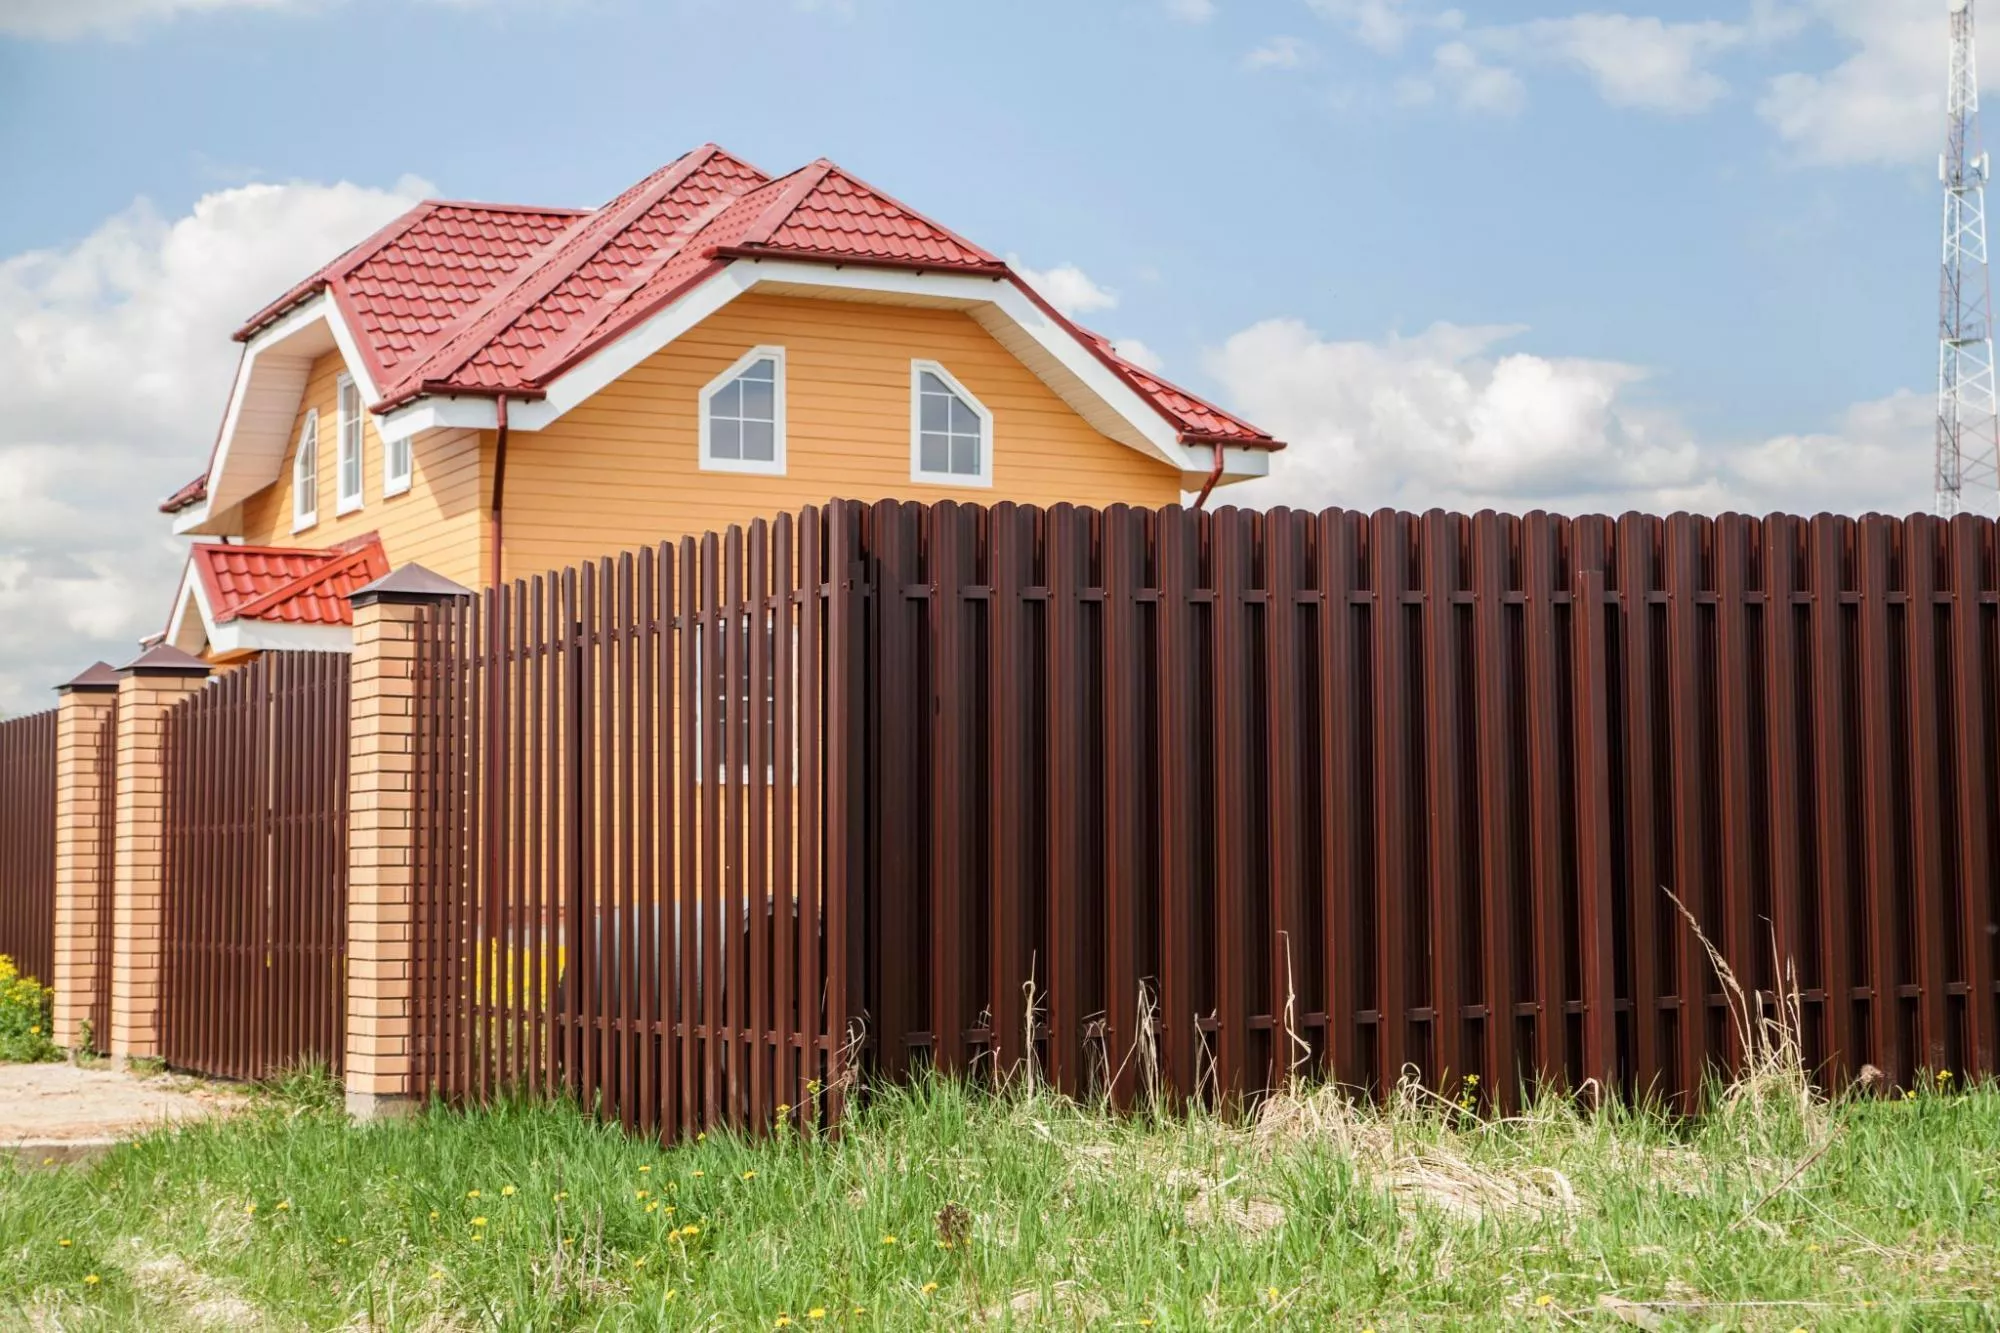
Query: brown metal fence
[[28, 843], [1227, 795], [255, 913], [630, 831]]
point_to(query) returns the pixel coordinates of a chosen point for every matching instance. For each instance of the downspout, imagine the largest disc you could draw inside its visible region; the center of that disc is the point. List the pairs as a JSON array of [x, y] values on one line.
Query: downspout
[[500, 480], [1214, 473]]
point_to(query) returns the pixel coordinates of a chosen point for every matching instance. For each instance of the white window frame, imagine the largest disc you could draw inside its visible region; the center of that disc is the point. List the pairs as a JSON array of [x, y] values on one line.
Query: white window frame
[[984, 477], [393, 482], [346, 393], [305, 474], [774, 468]]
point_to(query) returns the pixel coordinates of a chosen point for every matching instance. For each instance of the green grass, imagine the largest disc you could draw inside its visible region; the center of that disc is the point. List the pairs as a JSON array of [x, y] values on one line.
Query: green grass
[[1026, 1211]]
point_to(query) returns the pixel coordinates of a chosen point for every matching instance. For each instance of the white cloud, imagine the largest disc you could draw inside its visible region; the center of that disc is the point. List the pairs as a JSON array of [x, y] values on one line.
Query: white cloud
[[1457, 72], [1067, 288], [1884, 103], [1449, 418], [1632, 61], [1279, 53], [1381, 25], [115, 363], [59, 20], [1190, 11], [1139, 354]]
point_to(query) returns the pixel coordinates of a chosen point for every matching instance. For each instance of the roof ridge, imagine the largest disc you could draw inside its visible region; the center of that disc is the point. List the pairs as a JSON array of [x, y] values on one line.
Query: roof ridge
[[543, 274], [808, 179], [614, 299], [336, 563], [323, 275], [510, 208]]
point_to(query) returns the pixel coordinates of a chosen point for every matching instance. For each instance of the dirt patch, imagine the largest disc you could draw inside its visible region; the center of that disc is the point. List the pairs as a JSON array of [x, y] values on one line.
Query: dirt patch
[[57, 1104]]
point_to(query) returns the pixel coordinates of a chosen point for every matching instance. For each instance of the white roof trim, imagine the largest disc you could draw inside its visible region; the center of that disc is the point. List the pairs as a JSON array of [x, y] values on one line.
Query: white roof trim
[[264, 404], [1055, 355]]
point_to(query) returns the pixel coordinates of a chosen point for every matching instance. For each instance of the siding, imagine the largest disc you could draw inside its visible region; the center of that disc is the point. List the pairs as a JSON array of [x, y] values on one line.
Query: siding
[[440, 522], [621, 469]]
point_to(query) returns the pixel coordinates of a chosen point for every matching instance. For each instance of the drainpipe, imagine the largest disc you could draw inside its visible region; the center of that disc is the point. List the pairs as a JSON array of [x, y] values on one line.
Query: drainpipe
[[501, 481], [1214, 473]]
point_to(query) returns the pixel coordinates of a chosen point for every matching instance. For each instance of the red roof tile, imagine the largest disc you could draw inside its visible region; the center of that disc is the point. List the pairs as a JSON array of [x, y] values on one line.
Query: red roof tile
[[188, 494], [491, 299], [296, 585]]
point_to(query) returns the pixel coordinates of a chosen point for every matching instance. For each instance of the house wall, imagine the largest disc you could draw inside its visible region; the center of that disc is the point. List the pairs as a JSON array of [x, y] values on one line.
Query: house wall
[[622, 469], [440, 522]]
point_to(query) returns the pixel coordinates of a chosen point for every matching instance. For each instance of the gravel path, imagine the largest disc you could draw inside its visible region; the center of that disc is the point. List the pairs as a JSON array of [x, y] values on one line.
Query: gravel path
[[62, 1103]]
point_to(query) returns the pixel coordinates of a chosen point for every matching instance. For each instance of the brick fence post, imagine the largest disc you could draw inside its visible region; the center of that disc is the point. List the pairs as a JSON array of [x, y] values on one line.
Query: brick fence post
[[382, 1076], [86, 707], [149, 685]]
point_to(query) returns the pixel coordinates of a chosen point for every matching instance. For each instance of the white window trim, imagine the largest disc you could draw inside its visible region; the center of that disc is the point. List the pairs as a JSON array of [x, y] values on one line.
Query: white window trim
[[391, 483], [309, 433], [979, 409], [344, 503], [774, 468]]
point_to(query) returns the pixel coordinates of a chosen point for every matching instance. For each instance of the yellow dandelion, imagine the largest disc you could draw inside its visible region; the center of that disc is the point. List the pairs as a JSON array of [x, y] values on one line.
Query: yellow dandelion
[[640, 1262], [698, 1173], [1145, 1323], [817, 1312], [645, 1170], [434, 1214], [479, 1221], [506, 1191], [436, 1276], [653, 1207], [929, 1287], [1270, 1293], [91, 1279], [35, 1031], [690, 1230], [1545, 1299], [749, 1175], [782, 1321], [472, 1194], [561, 1195], [861, 1309], [284, 1205], [640, 1194], [888, 1240], [50, 1161], [65, 1242], [943, 1244], [670, 1210], [702, 1137], [340, 1240]]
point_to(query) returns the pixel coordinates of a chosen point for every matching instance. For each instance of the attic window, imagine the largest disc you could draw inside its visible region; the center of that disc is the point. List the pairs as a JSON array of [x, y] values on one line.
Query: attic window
[[305, 475], [743, 415], [951, 432], [348, 475]]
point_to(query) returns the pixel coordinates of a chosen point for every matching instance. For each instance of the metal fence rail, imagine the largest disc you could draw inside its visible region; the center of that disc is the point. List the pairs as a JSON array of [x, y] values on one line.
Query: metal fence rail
[[627, 878], [28, 843], [255, 896], [1222, 795]]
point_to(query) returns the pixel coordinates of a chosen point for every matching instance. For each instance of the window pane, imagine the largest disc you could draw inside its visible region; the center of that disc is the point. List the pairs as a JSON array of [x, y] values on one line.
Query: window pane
[[933, 452], [965, 455], [728, 400], [765, 370], [399, 459], [932, 384], [759, 399], [760, 441], [936, 410], [725, 438]]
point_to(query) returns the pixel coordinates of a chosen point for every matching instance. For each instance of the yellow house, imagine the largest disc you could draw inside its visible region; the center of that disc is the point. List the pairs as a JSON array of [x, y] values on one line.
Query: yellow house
[[493, 391]]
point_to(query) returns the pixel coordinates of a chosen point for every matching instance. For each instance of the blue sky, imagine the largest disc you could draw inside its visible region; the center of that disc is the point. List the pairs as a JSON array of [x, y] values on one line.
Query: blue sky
[[1532, 253]]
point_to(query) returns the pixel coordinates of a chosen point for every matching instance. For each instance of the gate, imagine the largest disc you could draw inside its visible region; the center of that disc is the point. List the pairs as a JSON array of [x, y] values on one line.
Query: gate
[[28, 843], [256, 879]]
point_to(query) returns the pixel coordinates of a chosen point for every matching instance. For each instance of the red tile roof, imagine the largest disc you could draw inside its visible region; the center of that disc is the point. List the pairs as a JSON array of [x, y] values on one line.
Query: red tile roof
[[188, 494], [490, 299], [296, 585]]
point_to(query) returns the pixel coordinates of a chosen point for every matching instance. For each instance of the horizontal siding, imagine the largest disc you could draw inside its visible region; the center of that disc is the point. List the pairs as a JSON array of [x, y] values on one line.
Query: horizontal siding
[[438, 523], [621, 469]]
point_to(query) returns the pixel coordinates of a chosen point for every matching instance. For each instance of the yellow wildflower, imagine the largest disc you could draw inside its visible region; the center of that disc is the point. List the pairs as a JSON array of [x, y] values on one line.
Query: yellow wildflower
[[645, 1170], [436, 1276], [697, 1173], [90, 1279], [561, 1195], [479, 1221], [640, 1262], [785, 1108], [782, 1321], [340, 1240], [284, 1205], [929, 1287], [1545, 1299], [434, 1214], [817, 1312], [472, 1194], [640, 1194], [653, 1207], [749, 1175], [249, 1210], [690, 1230], [888, 1240], [506, 1191]]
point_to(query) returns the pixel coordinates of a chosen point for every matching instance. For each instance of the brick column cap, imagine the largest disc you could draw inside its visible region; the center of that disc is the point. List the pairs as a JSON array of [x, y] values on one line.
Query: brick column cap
[[163, 659], [410, 585], [97, 678]]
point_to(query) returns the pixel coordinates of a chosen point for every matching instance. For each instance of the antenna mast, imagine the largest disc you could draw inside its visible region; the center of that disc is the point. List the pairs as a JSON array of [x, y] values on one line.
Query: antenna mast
[[1968, 418]]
